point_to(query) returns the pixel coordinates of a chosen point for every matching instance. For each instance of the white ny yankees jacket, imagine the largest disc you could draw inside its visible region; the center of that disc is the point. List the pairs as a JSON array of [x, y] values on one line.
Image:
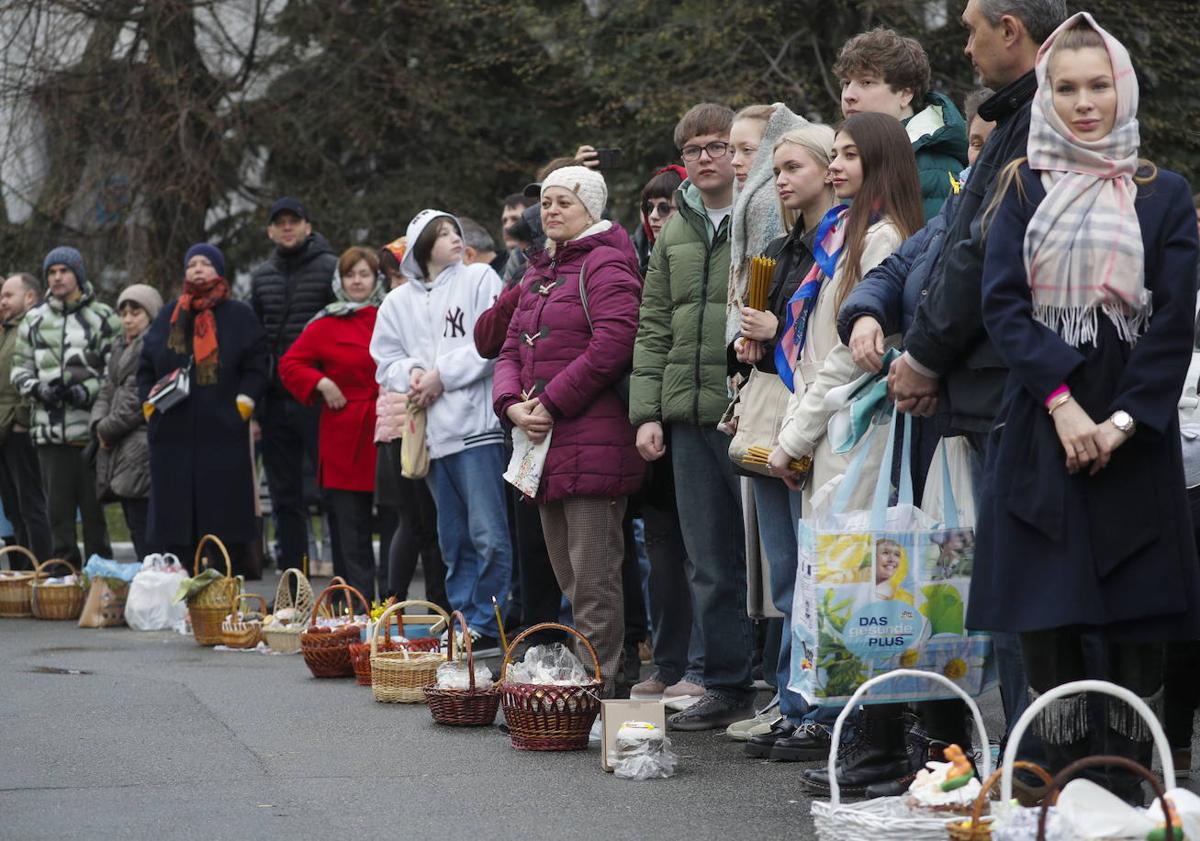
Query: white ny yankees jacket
[[431, 326]]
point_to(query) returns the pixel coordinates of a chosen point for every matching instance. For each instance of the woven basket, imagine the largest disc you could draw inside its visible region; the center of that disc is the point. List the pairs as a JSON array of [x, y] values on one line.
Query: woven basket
[[886, 817], [360, 652], [550, 717], [236, 630], [286, 638], [210, 606], [14, 586], [469, 707], [56, 601], [979, 828], [325, 649], [400, 677]]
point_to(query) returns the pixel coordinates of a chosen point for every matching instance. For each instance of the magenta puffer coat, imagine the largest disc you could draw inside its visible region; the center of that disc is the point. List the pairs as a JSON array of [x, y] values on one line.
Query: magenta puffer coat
[[552, 353]]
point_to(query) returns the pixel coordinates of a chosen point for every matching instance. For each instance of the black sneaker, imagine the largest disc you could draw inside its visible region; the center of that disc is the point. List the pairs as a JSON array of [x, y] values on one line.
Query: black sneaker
[[712, 711], [808, 743], [759, 747]]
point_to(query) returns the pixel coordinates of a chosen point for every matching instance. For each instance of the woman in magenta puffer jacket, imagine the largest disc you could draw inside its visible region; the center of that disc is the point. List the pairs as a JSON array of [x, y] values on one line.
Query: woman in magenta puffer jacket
[[560, 373]]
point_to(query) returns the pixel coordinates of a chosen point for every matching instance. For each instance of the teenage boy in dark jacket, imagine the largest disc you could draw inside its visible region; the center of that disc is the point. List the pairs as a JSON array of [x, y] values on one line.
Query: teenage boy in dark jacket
[[285, 292]]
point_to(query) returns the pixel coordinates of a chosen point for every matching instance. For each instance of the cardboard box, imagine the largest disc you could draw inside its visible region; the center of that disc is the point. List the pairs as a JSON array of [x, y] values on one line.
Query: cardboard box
[[614, 713]]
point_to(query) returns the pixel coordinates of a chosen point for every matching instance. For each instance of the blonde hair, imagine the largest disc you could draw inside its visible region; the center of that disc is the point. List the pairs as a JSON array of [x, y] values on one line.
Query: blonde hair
[[755, 112], [817, 140]]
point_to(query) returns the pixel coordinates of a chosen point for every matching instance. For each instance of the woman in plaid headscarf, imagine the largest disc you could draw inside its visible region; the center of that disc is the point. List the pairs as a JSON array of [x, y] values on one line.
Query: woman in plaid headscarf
[[1088, 294]]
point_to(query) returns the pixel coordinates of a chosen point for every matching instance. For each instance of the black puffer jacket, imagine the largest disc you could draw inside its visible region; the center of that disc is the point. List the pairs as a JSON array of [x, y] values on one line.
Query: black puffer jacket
[[288, 289]]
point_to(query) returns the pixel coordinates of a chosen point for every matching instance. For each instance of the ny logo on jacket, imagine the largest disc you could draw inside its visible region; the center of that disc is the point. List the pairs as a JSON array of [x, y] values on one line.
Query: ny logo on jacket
[[454, 324]]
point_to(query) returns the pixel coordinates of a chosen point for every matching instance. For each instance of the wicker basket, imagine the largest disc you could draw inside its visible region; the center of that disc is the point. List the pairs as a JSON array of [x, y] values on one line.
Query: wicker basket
[[286, 638], [469, 707], [14, 586], [325, 649], [360, 652], [550, 717], [236, 630], [400, 677], [885, 817], [56, 601], [210, 606]]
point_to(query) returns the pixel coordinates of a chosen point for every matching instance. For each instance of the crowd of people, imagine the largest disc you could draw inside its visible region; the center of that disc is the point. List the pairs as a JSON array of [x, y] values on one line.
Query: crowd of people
[[1020, 276]]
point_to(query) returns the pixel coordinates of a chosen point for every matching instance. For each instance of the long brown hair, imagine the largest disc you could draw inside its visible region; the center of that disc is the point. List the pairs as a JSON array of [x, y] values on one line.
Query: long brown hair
[[890, 188]]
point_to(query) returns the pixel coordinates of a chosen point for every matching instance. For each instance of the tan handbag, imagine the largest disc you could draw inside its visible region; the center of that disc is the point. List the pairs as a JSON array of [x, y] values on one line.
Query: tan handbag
[[759, 409], [414, 452]]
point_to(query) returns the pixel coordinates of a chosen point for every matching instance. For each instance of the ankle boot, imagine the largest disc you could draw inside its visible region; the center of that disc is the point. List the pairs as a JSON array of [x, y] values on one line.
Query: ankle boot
[[920, 749], [881, 757], [1128, 736]]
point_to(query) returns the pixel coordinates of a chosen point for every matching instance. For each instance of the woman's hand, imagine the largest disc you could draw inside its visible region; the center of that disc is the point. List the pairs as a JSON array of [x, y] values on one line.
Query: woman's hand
[[1078, 434], [748, 352], [1108, 438], [428, 388], [532, 418], [758, 325], [779, 464], [331, 394], [866, 344], [587, 156]]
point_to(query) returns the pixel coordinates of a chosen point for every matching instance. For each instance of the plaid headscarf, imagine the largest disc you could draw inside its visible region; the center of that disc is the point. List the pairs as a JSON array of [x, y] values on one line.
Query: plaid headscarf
[[1083, 247]]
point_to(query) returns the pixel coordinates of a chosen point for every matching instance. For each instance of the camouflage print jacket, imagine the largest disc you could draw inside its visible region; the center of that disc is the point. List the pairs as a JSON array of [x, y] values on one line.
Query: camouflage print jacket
[[65, 344]]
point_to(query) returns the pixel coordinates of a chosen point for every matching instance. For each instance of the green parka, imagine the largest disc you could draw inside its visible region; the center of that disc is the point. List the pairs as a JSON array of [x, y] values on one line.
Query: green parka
[[679, 360], [67, 344], [938, 134], [14, 409]]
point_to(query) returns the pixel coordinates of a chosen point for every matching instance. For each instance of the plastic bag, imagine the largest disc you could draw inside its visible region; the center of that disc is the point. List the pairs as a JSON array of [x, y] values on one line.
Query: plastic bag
[[549, 665], [454, 675], [643, 753], [150, 605]]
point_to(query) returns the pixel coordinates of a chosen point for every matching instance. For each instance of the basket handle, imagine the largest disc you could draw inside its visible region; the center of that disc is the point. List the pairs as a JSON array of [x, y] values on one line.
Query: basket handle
[[980, 728], [385, 620], [312, 622], [1078, 765], [49, 562], [283, 592], [1072, 688], [337, 579], [982, 798], [543, 626], [211, 538], [15, 548], [237, 600], [466, 635]]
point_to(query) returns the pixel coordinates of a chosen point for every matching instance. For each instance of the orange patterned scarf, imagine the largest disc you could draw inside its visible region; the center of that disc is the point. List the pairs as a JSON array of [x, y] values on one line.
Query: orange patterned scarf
[[199, 298]]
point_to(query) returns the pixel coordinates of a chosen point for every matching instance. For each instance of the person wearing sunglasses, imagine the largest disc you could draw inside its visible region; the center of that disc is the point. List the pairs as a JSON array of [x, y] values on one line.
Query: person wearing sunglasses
[[658, 205]]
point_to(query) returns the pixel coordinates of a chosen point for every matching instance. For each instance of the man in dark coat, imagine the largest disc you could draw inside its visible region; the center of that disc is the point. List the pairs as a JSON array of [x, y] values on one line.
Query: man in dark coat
[[285, 292]]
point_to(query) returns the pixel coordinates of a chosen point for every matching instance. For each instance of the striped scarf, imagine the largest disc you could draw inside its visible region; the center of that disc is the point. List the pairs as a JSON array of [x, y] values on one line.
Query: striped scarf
[[831, 236], [1083, 249]]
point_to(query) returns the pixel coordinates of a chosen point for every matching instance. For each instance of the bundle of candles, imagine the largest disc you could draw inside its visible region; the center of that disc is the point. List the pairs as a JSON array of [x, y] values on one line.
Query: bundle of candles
[[758, 456], [761, 270]]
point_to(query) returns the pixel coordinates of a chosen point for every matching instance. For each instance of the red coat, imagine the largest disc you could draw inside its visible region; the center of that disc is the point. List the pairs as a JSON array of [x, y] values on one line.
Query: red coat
[[337, 347]]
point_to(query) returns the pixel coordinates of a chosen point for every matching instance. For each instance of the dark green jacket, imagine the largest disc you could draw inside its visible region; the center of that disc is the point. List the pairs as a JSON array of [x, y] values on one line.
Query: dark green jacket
[[14, 409], [939, 139], [679, 360]]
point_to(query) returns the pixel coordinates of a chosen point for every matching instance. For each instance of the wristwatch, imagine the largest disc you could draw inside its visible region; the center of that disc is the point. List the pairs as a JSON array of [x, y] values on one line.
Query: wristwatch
[[1123, 421]]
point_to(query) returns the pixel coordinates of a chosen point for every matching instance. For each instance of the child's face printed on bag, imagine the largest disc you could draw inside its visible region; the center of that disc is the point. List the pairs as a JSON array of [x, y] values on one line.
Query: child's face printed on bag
[[845, 169], [1085, 95], [448, 247], [887, 560], [199, 269], [799, 177]]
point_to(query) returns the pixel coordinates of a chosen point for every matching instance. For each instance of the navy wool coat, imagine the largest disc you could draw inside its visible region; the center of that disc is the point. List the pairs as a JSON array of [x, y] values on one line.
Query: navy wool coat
[[1115, 549], [201, 477]]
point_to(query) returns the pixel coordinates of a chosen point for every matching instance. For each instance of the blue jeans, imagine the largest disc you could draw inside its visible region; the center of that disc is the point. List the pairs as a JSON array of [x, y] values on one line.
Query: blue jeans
[[473, 532], [710, 517], [778, 512]]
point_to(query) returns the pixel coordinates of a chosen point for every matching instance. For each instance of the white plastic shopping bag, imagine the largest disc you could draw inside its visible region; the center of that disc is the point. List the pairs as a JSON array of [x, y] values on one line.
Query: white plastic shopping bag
[[525, 467], [150, 605], [950, 468]]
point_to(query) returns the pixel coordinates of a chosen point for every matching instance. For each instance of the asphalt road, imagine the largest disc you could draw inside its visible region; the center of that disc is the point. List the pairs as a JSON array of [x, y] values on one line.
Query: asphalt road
[[158, 738]]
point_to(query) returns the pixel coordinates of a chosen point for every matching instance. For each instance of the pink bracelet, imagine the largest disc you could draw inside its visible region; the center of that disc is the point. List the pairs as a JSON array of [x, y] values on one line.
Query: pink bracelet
[[1062, 389]]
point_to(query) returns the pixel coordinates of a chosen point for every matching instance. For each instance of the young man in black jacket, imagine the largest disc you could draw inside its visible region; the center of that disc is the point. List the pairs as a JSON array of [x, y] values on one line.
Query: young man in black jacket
[[285, 292]]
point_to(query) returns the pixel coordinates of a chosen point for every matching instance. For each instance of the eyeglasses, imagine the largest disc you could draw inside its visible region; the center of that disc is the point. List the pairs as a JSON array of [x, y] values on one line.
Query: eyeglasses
[[664, 208], [716, 149]]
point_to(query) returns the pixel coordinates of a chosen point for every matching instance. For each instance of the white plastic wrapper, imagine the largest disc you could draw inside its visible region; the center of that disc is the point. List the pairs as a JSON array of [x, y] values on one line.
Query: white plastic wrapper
[[454, 675], [549, 665], [643, 752]]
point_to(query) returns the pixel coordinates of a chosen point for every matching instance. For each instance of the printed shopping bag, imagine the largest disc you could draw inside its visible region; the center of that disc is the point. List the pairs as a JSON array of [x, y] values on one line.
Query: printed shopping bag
[[525, 466], [883, 589], [414, 452]]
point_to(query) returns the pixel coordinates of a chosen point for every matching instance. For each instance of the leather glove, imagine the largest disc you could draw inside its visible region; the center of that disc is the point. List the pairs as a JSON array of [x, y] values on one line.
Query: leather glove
[[76, 395], [49, 395]]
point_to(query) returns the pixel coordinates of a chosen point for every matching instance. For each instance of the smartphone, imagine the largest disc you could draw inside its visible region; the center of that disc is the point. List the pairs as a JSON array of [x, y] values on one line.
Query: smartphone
[[607, 159]]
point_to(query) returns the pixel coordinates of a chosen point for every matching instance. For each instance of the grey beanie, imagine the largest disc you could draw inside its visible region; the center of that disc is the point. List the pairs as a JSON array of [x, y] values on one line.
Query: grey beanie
[[144, 296], [65, 255]]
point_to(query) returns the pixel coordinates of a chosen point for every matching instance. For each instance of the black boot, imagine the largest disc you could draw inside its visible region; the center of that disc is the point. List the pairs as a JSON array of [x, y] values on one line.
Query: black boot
[[760, 746], [1128, 736], [920, 749], [879, 755]]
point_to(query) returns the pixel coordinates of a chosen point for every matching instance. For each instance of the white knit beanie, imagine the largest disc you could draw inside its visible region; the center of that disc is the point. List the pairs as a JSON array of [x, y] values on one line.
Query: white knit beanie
[[587, 185]]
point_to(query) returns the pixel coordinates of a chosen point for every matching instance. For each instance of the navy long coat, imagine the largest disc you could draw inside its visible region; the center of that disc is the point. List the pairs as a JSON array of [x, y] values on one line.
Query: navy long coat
[[1115, 549], [201, 477]]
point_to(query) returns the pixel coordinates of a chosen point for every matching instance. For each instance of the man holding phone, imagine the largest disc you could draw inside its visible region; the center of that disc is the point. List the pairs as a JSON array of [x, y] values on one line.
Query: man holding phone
[[604, 160]]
